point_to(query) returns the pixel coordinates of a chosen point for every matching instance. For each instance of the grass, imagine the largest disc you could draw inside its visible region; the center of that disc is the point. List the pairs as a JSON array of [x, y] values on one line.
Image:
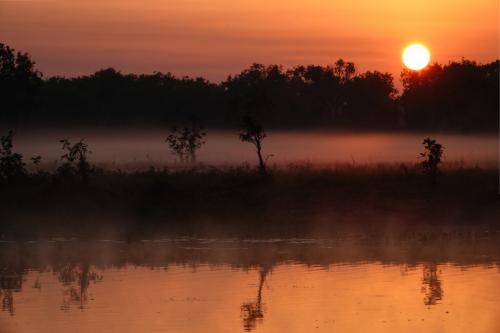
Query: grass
[[297, 200]]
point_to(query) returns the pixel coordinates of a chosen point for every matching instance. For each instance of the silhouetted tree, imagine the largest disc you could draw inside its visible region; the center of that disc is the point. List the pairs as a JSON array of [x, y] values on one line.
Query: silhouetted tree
[[109, 97], [260, 90], [460, 96], [432, 158], [344, 73], [319, 94], [75, 159], [11, 164], [253, 132], [185, 141], [370, 101], [19, 85]]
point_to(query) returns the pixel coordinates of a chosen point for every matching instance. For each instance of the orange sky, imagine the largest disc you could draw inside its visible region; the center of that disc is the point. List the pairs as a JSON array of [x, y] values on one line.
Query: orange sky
[[213, 38]]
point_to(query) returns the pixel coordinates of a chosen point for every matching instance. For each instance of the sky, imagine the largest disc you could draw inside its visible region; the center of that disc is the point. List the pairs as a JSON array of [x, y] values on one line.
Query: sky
[[215, 38]]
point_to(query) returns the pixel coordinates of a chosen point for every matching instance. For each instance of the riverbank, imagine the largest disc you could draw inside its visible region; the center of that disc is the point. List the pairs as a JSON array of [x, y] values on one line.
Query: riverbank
[[301, 200]]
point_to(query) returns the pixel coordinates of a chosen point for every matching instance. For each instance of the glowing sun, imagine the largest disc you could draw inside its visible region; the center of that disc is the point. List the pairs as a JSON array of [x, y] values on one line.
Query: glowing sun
[[416, 56]]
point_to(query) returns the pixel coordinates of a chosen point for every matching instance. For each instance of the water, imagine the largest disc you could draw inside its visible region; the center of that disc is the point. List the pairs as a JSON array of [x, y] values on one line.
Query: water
[[144, 147], [446, 283]]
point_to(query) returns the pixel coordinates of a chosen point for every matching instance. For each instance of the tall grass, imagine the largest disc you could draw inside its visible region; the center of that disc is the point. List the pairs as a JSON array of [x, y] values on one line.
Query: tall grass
[[299, 199]]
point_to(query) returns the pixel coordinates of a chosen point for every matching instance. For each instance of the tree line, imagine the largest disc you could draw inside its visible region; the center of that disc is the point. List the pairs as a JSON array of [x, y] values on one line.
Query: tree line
[[460, 96]]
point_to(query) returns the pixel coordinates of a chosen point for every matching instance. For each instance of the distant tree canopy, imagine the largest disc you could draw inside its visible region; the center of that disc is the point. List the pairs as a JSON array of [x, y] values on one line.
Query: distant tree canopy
[[111, 98], [19, 85], [458, 96], [312, 95]]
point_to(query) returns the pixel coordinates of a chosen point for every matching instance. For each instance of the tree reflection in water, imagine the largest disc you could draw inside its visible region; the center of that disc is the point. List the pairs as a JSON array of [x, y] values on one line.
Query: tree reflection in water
[[431, 284], [76, 278], [11, 280], [73, 263], [253, 312]]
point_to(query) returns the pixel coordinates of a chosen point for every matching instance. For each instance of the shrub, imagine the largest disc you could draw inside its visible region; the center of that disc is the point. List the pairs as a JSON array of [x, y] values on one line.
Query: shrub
[[432, 156], [75, 159], [185, 141], [11, 164]]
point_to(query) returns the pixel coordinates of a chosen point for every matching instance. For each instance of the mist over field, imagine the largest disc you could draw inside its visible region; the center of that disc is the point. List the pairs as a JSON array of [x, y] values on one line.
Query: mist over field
[[142, 147]]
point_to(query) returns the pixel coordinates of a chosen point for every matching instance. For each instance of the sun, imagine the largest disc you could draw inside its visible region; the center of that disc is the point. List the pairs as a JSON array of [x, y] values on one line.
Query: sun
[[416, 56]]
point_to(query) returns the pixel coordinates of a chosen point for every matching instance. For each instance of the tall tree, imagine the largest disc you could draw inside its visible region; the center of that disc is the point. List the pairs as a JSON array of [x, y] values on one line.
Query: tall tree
[[19, 85]]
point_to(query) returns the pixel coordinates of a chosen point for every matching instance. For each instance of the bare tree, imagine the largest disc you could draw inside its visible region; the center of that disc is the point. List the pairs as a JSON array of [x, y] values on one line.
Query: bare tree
[[253, 132]]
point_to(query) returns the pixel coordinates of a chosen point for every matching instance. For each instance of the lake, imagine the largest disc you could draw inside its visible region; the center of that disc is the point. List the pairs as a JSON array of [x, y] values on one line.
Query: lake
[[144, 147], [441, 282]]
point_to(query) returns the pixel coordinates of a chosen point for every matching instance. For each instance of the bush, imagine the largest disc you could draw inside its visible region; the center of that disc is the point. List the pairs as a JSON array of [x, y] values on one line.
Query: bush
[[184, 142], [432, 156], [75, 159], [11, 164]]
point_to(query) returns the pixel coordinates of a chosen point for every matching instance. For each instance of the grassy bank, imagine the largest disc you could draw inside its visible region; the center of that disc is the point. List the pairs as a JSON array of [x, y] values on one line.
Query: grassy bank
[[298, 200]]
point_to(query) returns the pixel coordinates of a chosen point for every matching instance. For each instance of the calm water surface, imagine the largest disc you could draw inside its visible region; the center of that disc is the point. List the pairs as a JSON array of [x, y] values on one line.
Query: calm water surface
[[280, 285], [140, 146]]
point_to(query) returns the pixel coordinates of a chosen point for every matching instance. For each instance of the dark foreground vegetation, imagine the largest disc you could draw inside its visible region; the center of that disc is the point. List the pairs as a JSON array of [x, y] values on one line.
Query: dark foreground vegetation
[[296, 201], [456, 96]]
